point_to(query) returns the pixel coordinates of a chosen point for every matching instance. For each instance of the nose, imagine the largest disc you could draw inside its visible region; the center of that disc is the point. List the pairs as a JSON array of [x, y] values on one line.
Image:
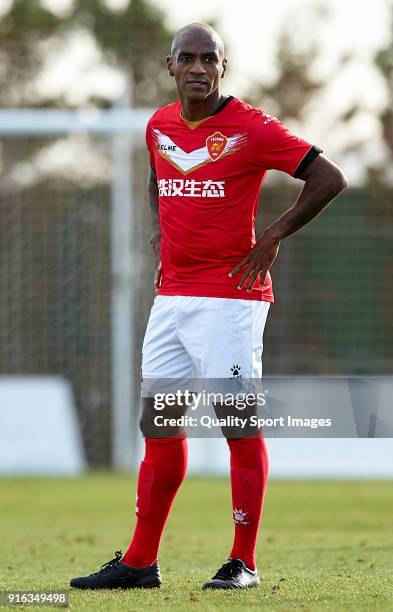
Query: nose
[[197, 67]]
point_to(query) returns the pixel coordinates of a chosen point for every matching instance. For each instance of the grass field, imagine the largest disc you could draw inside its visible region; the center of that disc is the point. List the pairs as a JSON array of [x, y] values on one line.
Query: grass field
[[325, 545]]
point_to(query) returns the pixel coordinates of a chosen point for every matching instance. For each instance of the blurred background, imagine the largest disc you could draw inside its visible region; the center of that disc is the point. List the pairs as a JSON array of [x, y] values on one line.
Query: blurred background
[[79, 80]]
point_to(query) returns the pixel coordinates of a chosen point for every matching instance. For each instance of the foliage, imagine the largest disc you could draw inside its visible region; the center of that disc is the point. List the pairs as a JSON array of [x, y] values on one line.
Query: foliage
[[295, 83], [384, 62], [135, 40]]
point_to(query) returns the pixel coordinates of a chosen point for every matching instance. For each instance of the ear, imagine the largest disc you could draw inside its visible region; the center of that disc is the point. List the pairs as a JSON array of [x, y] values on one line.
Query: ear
[[169, 63], [224, 67]]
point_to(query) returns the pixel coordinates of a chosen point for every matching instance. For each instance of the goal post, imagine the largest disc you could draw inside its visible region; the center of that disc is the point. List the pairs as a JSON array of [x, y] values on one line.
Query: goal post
[[122, 125]]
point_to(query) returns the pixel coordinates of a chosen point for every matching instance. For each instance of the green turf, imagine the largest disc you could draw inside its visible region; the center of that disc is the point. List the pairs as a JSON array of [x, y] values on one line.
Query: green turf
[[324, 544]]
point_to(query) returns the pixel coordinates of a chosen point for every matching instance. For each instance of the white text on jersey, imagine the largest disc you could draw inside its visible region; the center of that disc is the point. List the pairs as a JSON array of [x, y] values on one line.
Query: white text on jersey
[[191, 188]]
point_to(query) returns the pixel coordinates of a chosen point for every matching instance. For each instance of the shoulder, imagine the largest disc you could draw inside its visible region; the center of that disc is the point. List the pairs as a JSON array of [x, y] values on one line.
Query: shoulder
[[251, 114], [164, 113], [262, 127]]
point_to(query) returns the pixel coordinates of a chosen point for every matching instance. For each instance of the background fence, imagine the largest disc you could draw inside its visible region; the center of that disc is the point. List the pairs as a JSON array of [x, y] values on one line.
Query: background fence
[[58, 277], [332, 281]]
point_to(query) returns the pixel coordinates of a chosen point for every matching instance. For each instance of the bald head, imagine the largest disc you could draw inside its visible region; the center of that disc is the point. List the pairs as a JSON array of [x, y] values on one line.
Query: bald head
[[202, 30], [198, 64]]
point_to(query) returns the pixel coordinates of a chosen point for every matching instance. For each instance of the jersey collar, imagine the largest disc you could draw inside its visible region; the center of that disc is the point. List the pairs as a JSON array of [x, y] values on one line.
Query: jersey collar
[[194, 124]]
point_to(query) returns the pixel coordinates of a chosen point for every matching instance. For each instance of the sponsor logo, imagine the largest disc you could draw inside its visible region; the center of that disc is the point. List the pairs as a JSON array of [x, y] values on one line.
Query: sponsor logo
[[267, 118], [215, 145], [164, 147], [240, 517], [191, 188]]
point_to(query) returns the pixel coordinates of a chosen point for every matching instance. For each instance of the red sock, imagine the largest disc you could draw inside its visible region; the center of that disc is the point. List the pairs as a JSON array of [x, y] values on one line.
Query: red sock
[[249, 473], [160, 475]]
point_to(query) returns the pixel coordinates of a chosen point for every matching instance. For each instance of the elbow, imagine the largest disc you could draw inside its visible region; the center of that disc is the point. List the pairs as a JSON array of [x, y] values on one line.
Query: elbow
[[340, 181], [336, 182]]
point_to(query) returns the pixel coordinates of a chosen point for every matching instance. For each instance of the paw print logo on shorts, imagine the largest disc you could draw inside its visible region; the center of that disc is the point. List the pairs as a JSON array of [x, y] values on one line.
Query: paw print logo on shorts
[[235, 369]]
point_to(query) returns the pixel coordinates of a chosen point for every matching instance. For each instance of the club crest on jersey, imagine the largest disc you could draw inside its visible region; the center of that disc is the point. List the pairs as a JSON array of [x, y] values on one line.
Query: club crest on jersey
[[215, 144]]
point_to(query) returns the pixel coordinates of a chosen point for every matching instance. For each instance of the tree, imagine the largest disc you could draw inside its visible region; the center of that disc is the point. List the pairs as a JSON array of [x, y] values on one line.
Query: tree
[[295, 85], [55, 234], [21, 31], [135, 40], [384, 63]]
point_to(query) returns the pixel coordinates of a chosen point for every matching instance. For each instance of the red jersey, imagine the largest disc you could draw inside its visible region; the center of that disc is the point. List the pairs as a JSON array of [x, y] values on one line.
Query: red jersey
[[209, 175]]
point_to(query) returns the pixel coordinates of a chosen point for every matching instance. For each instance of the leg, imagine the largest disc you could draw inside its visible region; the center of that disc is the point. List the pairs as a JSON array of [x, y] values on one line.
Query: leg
[[228, 345], [249, 462], [162, 470], [161, 473], [249, 474], [164, 466]]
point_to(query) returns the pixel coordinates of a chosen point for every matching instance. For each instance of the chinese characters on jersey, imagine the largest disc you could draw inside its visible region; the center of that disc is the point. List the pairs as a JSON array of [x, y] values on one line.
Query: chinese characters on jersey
[[191, 188]]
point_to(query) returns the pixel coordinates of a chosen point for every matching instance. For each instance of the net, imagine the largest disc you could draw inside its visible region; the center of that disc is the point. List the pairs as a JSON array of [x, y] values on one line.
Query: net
[[332, 280]]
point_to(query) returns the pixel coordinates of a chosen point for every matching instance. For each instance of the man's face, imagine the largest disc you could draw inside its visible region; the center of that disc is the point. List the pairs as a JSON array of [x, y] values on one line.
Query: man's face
[[197, 65]]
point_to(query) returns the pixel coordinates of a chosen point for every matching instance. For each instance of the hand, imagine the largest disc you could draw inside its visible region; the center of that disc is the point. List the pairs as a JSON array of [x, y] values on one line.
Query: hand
[[157, 276], [155, 241], [258, 261]]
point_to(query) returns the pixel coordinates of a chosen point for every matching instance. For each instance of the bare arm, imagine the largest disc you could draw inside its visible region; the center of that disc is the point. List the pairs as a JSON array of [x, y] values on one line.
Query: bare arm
[[323, 182], [155, 238]]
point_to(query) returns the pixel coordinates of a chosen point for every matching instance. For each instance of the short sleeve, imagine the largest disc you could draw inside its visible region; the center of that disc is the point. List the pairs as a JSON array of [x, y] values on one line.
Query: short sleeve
[[149, 143], [274, 147]]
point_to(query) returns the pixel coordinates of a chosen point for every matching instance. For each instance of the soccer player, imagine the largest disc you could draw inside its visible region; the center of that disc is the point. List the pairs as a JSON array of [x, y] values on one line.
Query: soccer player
[[209, 154]]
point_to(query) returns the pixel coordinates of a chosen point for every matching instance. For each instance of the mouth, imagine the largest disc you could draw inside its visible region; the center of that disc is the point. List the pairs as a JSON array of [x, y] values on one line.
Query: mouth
[[197, 84]]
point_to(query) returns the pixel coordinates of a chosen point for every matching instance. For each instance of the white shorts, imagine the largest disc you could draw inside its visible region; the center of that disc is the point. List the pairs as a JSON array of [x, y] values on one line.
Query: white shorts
[[204, 337]]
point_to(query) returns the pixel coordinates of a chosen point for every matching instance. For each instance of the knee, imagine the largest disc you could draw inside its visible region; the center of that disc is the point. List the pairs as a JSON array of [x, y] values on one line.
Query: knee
[[156, 424]]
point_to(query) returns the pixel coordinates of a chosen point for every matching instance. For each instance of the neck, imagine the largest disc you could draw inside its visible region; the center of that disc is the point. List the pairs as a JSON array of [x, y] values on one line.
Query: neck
[[195, 110]]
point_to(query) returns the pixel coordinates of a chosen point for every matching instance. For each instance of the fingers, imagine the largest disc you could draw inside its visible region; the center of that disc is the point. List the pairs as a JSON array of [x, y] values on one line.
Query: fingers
[[157, 277], [245, 276], [239, 266], [251, 274], [263, 274], [247, 272], [252, 280], [258, 262]]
